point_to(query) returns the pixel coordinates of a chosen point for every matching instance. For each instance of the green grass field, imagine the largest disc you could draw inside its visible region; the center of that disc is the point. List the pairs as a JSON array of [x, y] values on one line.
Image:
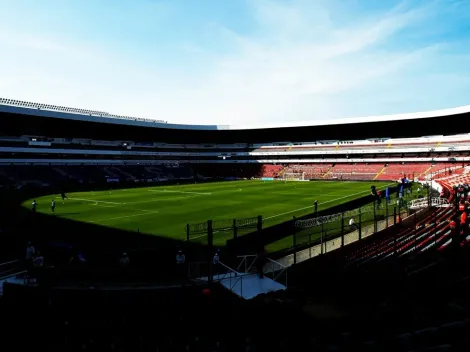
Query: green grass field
[[165, 210]]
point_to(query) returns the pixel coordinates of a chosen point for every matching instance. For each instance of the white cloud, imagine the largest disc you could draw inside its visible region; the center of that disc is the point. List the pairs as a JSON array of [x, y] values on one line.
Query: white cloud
[[299, 64]]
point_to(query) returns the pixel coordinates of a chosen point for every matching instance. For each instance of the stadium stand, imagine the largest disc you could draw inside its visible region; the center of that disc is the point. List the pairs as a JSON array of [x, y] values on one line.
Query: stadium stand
[[403, 287]]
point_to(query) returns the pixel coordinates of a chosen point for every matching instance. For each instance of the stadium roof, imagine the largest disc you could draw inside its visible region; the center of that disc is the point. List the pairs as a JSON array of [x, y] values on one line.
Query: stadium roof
[[20, 118], [354, 120], [18, 106]]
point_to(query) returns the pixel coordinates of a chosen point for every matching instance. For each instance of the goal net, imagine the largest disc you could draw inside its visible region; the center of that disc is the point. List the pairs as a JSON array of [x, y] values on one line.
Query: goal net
[[293, 176]]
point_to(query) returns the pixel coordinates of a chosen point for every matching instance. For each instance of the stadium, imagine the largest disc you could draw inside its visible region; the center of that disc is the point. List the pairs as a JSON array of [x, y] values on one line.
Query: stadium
[[326, 227]]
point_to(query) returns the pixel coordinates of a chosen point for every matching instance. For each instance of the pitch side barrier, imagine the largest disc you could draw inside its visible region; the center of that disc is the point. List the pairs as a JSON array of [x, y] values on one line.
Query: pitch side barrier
[[254, 240]]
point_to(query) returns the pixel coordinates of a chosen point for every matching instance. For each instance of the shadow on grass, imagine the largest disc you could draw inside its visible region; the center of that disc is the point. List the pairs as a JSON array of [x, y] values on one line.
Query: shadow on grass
[[97, 239], [60, 238]]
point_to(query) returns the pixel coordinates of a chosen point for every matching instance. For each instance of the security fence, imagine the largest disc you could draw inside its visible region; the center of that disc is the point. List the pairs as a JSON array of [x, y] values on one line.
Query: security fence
[[225, 228], [325, 233]]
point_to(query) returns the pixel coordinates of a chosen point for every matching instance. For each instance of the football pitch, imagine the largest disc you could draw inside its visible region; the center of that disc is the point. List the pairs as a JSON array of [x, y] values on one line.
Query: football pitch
[[165, 210]]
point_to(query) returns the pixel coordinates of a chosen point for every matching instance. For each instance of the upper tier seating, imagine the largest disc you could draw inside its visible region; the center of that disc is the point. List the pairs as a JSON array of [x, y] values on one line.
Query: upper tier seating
[[358, 145]]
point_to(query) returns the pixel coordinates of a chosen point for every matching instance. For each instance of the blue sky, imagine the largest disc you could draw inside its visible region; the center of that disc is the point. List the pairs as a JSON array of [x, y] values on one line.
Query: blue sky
[[237, 61]]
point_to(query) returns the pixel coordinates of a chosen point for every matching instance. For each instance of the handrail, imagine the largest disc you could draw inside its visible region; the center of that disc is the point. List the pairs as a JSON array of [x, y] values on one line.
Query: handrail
[[248, 255], [227, 267], [238, 278], [13, 274], [282, 270], [275, 262], [244, 261], [10, 262]]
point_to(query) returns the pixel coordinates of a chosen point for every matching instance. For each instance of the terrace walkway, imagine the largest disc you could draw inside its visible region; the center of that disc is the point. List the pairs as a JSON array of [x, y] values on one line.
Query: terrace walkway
[[334, 244]]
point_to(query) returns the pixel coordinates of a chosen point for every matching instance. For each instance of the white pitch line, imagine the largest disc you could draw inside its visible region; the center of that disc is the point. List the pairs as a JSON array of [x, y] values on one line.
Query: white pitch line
[[164, 191], [104, 206], [95, 201], [311, 206], [147, 212], [159, 200]]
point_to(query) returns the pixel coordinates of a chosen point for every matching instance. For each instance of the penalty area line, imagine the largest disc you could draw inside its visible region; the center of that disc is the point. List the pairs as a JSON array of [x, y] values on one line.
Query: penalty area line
[[182, 192], [95, 201]]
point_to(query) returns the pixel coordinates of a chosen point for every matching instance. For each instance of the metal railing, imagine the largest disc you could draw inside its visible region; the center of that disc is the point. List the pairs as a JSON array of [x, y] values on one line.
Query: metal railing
[[245, 262], [280, 269], [272, 268], [196, 271], [13, 268], [233, 276]]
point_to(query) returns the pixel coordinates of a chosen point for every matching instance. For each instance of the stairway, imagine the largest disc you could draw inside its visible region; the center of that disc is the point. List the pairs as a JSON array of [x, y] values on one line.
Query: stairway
[[423, 174], [281, 172], [327, 172], [379, 173]]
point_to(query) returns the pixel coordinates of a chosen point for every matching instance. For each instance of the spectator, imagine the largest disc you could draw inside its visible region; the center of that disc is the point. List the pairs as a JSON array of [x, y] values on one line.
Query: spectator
[[37, 265], [216, 258], [462, 206], [398, 220], [124, 261], [463, 224], [30, 252], [352, 224], [34, 206], [180, 264], [38, 261], [180, 257], [215, 262], [453, 224]]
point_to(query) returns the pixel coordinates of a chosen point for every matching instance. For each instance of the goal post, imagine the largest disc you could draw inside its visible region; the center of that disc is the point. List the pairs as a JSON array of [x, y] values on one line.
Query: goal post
[[293, 176]]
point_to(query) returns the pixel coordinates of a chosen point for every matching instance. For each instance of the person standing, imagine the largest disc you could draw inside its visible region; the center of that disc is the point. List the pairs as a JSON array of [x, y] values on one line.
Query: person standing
[[34, 206], [30, 254], [180, 264]]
